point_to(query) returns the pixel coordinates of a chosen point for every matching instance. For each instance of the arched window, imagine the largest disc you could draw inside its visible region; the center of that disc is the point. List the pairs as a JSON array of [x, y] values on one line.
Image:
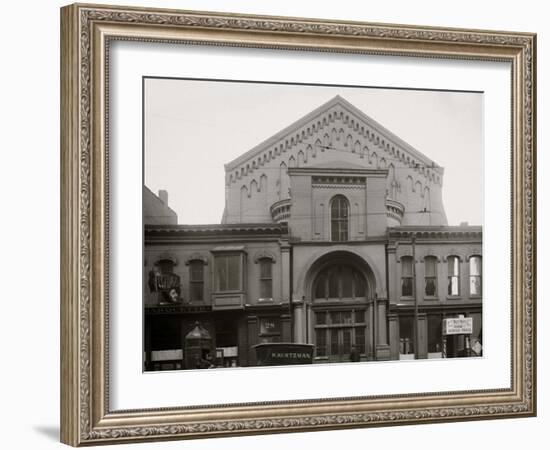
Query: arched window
[[339, 282], [340, 331], [339, 218], [196, 280], [475, 275], [430, 276], [406, 276], [453, 275]]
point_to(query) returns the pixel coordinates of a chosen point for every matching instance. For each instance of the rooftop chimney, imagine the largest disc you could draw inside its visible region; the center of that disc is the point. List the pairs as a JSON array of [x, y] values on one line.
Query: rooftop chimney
[[163, 195]]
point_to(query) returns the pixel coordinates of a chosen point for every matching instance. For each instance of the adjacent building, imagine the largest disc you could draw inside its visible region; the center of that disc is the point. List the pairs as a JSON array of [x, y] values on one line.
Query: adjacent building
[[334, 233]]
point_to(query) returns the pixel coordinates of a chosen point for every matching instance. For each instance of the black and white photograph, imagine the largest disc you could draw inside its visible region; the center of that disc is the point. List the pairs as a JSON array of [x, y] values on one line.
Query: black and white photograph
[[309, 224]]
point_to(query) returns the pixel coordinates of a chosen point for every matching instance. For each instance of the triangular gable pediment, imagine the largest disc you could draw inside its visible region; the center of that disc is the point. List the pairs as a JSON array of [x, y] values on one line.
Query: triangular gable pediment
[[319, 121]]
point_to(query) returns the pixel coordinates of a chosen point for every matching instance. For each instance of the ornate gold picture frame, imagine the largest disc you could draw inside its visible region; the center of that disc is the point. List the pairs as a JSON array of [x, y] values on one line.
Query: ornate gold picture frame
[[87, 32]]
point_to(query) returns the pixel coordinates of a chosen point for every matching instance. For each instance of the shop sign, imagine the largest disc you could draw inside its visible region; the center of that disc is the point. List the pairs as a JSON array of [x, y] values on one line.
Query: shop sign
[[458, 325], [282, 354]]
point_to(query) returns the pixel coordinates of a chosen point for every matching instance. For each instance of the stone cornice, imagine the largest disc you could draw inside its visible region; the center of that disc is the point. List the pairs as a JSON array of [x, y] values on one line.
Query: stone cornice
[[435, 232], [216, 228], [159, 234]]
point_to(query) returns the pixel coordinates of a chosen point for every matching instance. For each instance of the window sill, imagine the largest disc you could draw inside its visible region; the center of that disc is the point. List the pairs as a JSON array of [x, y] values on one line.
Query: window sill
[[431, 298], [454, 297], [238, 291]]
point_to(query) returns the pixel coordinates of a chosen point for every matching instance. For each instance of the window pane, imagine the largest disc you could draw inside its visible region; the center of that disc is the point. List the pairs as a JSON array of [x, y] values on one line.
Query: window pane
[[346, 341], [335, 317], [228, 272], [406, 287], [453, 286], [233, 273], [339, 218], [475, 265], [196, 270], [347, 282], [320, 288], [344, 231], [406, 266], [430, 266], [221, 273], [266, 290], [321, 341], [346, 317], [335, 230], [454, 275], [334, 342], [360, 316], [321, 318], [333, 283], [359, 284], [196, 291], [475, 285], [430, 287], [360, 339], [406, 333], [453, 265], [265, 268]]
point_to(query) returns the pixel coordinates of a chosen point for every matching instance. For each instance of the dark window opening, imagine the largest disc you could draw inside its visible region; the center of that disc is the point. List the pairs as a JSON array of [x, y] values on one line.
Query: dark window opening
[[196, 280], [339, 218], [266, 278], [430, 278], [228, 273], [406, 335], [406, 276], [340, 281]]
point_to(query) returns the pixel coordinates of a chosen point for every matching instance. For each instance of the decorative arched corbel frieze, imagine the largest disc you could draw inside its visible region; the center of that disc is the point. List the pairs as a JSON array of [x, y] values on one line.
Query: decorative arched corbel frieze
[[264, 254]]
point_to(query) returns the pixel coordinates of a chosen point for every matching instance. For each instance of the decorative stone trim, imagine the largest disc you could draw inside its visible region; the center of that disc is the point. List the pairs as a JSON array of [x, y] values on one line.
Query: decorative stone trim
[[280, 211], [264, 254], [196, 257], [430, 254], [394, 210], [166, 256], [329, 181], [453, 252]]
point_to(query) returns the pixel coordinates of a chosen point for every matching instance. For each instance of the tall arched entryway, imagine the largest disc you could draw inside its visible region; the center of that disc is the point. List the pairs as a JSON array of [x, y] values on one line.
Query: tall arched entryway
[[341, 288]]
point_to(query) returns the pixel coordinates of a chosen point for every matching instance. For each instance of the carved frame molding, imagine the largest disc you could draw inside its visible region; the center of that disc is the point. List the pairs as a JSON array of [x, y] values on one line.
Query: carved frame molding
[[86, 32]]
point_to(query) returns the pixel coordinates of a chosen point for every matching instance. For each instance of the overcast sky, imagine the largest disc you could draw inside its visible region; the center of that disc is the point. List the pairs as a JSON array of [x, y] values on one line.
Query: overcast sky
[[192, 128]]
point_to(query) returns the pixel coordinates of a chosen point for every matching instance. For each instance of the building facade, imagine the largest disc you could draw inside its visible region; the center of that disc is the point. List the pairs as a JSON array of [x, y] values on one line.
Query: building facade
[[334, 234]]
